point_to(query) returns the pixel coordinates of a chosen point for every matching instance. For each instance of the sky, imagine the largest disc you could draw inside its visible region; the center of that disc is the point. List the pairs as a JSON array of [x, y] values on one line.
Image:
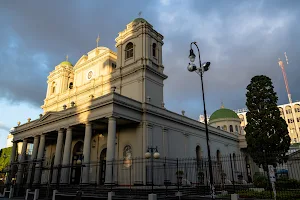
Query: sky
[[240, 38]]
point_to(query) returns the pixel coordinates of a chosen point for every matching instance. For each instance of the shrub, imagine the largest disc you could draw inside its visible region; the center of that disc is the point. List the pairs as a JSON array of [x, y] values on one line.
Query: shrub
[[260, 181], [285, 183]]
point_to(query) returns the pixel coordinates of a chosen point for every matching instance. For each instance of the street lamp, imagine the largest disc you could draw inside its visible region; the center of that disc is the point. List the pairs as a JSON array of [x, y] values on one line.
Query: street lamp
[[152, 153], [200, 71]]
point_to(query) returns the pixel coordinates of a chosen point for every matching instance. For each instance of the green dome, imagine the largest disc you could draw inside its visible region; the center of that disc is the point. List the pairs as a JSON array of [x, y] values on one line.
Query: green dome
[[66, 63], [137, 20], [223, 113]]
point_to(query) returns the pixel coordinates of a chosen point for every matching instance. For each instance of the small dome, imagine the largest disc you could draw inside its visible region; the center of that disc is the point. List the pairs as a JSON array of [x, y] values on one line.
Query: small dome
[[137, 20], [223, 113], [66, 63]]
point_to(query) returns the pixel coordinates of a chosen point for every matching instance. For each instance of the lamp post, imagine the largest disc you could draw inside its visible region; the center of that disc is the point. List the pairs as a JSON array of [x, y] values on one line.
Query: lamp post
[[152, 153], [200, 71]]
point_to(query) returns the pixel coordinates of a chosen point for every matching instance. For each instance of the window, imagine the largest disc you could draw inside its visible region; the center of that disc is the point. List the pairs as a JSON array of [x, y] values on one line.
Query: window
[[53, 88], [236, 129], [71, 85], [154, 49], [225, 128], [298, 119], [198, 152], [218, 127], [127, 156], [289, 111], [231, 128], [129, 50], [297, 109], [290, 120], [113, 65]]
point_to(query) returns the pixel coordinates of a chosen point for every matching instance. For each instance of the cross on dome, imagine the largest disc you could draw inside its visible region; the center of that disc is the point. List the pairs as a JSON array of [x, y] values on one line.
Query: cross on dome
[[97, 40]]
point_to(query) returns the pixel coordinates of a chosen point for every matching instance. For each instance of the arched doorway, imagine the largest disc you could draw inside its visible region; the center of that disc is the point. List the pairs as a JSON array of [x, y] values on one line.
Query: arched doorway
[[102, 166], [76, 163]]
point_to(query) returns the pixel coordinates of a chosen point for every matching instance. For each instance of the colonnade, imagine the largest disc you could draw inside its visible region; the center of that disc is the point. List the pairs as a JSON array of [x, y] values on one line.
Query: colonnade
[[63, 155]]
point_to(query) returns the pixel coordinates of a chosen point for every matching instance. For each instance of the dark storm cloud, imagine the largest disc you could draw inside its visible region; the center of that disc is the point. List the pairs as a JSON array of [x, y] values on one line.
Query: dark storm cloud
[[35, 36], [240, 38]]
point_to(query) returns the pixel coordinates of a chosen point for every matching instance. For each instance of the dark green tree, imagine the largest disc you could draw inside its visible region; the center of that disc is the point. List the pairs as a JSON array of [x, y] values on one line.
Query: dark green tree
[[267, 133]]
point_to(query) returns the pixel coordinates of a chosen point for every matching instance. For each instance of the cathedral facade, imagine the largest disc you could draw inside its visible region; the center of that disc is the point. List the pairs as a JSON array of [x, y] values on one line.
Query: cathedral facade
[[110, 106]]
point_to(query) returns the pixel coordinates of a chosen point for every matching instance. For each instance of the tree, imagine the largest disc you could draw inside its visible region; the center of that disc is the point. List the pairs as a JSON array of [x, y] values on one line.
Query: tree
[[5, 158], [267, 133]]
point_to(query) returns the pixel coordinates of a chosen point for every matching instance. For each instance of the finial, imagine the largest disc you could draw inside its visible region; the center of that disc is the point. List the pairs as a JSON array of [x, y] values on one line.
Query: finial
[[97, 40], [140, 13], [222, 104], [67, 57]]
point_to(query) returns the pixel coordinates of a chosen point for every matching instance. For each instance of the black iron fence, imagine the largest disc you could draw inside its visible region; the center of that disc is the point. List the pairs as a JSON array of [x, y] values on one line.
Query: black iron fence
[[188, 177]]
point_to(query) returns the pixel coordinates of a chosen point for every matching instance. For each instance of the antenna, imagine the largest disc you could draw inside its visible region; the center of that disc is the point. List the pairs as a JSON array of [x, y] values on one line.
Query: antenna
[[286, 58], [281, 65], [140, 13]]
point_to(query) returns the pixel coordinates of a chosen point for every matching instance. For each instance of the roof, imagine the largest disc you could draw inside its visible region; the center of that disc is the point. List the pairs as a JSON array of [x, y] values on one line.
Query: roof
[[66, 63], [137, 20], [223, 113]]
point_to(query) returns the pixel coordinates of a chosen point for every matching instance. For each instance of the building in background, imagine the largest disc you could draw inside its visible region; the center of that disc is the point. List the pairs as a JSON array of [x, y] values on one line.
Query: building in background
[[289, 112]]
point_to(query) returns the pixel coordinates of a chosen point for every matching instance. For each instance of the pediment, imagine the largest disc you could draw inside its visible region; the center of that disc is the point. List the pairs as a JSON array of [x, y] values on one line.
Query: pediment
[[81, 60], [50, 116]]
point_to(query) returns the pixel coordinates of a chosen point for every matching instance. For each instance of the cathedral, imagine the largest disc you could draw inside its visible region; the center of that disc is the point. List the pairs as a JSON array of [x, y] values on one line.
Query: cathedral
[[110, 106]]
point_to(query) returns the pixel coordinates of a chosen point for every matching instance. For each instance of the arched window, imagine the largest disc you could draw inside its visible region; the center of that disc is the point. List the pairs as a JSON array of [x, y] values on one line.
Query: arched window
[[218, 127], [53, 88], [236, 129], [218, 156], [71, 85], [198, 152], [154, 49], [224, 128], [129, 50], [231, 128], [127, 156]]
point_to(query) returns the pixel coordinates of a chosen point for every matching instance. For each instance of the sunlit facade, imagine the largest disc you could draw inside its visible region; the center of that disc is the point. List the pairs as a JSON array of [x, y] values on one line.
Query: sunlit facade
[[289, 112]]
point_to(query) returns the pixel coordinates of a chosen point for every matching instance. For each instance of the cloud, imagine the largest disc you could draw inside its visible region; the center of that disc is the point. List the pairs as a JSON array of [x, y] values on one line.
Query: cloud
[[241, 40], [4, 127]]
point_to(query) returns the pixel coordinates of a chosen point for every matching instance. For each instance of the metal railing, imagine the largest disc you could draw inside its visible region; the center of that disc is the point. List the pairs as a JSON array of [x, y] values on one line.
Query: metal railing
[[189, 176]]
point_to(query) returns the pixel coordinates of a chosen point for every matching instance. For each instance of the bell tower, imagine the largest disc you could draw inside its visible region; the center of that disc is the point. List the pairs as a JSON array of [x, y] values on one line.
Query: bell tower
[[60, 80], [139, 63]]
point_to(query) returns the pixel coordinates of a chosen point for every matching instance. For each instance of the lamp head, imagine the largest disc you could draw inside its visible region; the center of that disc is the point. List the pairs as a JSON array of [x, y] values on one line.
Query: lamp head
[[192, 56], [192, 67], [147, 155], [205, 66]]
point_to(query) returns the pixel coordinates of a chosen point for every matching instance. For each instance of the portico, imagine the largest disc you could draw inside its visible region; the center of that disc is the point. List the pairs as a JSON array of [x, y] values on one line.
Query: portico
[[65, 128]]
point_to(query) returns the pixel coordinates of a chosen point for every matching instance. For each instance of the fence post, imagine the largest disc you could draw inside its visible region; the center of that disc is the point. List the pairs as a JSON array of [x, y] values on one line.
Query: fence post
[[268, 181], [232, 173], [177, 176]]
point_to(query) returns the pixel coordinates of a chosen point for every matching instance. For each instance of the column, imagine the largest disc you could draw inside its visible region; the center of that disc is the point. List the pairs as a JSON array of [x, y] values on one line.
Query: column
[[66, 157], [12, 160], [33, 157], [58, 152], [21, 165], [40, 155], [86, 153], [110, 154]]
